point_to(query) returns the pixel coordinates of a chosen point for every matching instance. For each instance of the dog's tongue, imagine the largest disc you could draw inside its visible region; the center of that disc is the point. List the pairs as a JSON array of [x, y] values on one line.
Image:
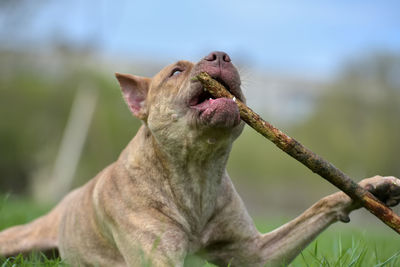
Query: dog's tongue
[[220, 112]]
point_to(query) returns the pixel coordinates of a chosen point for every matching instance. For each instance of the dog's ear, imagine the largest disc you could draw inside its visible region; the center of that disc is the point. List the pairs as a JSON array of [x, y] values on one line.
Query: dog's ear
[[134, 89]]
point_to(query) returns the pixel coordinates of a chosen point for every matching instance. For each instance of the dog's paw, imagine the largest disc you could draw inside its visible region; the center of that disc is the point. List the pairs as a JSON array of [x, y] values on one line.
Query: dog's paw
[[386, 189]]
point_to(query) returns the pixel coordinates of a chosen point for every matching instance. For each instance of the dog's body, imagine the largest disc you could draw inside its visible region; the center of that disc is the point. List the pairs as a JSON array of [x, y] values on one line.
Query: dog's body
[[168, 195]]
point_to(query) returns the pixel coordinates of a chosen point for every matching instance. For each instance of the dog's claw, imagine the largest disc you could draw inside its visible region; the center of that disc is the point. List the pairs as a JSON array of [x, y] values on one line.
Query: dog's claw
[[343, 217]]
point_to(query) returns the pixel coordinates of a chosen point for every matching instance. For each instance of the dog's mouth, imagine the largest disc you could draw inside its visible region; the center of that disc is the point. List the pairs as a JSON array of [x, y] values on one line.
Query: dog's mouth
[[203, 95], [217, 112]]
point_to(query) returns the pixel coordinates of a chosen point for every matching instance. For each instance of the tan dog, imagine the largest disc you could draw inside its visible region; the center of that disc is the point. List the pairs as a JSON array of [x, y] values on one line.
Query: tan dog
[[169, 195]]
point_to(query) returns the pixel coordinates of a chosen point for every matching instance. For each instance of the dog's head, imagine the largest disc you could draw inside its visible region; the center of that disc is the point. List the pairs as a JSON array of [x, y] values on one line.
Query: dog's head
[[174, 105]]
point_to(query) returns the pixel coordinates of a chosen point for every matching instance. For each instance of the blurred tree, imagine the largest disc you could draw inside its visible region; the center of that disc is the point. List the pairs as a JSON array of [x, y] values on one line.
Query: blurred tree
[[36, 94], [357, 123]]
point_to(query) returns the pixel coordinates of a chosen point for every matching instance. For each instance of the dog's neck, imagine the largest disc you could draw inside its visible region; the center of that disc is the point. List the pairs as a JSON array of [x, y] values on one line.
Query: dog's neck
[[191, 169]]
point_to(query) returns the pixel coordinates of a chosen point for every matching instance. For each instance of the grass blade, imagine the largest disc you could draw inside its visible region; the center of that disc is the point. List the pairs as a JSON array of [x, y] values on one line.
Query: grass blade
[[393, 257]]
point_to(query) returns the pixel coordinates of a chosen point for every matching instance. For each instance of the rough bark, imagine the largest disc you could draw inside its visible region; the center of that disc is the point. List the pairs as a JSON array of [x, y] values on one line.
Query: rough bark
[[311, 160]]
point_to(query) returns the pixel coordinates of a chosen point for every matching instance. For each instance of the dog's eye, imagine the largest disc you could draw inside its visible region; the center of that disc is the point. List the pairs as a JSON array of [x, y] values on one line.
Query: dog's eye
[[176, 72]]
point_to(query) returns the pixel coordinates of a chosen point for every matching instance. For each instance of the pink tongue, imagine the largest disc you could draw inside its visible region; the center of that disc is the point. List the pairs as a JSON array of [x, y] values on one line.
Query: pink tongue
[[220, 112]]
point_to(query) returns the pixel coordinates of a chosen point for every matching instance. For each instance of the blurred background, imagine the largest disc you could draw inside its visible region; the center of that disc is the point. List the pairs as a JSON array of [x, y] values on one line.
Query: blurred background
[[327, 73]]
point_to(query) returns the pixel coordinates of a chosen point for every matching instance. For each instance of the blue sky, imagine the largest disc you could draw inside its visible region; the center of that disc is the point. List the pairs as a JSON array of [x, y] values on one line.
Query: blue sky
[[289, 36]]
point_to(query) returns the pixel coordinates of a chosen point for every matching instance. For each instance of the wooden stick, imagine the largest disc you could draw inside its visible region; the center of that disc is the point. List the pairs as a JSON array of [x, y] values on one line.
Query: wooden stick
[[311, 160]]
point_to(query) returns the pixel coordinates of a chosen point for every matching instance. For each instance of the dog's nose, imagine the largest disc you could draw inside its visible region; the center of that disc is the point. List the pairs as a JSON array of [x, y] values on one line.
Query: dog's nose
[[218, 56]]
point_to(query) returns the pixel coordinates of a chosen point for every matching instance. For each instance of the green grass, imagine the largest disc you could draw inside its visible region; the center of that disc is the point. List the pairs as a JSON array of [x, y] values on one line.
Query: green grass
[[34, 259], [339, 246], [350, 248]]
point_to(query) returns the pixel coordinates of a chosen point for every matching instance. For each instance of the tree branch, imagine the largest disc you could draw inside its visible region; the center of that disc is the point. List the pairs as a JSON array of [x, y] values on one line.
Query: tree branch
[[311, 160]]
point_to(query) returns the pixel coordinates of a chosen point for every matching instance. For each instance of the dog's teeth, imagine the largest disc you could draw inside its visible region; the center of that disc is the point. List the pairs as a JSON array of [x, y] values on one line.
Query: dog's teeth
[[234, 99], [210, 98]]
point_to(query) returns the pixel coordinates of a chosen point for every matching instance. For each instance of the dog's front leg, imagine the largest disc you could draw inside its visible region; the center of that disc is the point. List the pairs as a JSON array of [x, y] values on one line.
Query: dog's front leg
[[282, 245], [144, 241]]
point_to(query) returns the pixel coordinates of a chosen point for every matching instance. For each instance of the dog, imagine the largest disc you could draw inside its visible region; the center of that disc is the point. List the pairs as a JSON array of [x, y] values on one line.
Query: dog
[[169, 195]]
